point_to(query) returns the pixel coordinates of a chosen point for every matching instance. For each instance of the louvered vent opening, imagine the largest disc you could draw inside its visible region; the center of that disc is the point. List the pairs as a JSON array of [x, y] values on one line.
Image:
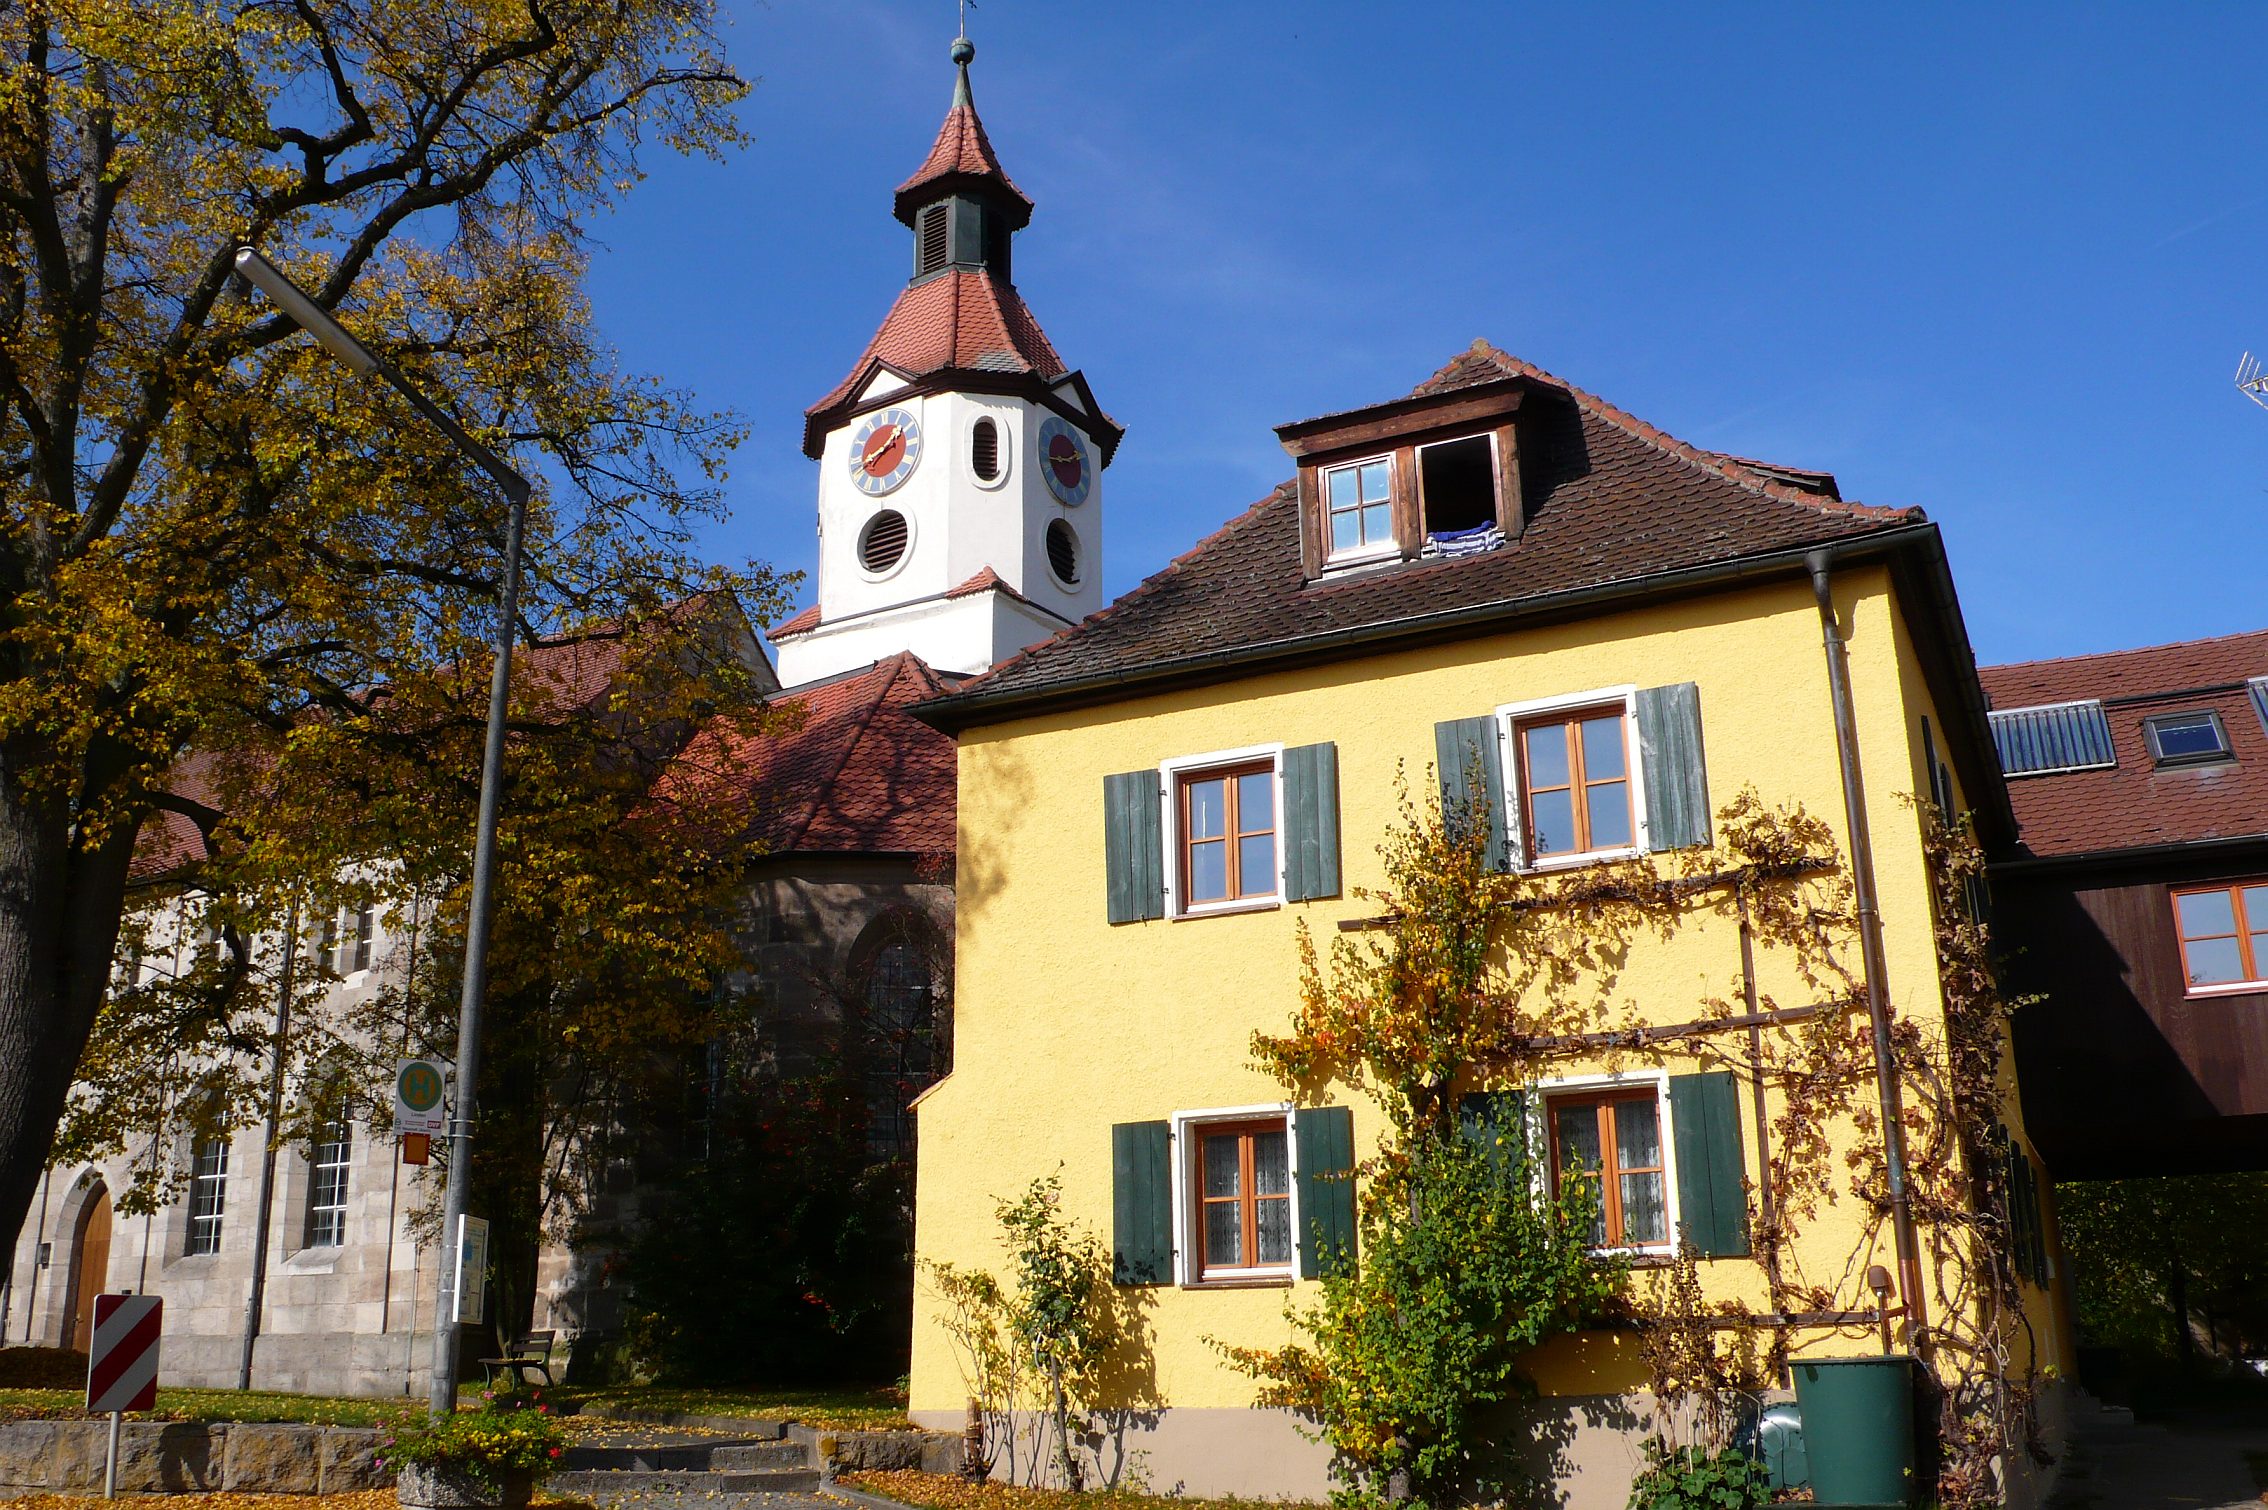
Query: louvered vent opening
[[1063, 553], [884, 541], [934, 247], [984, 450], [2053, 737]]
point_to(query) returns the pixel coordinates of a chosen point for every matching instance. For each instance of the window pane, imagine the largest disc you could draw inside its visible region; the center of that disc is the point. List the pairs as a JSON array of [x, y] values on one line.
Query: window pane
[[1224, 1234], [1609, 804], [1547, 755], [1342, 484], [1221, 1166], [1578, 1135], [2195, 734], [1275, 1231], [2205, 913], [1208, 872], [1255, 802], [1271, 1163], [2256, 907], [1375, 525], [1208, 808], [2259, 956], [1602, 748], [1643, 1218], [2213, 962], [1551, 820], [1256, 866], [1375, 481], [1346, 530], [1637, 1135]]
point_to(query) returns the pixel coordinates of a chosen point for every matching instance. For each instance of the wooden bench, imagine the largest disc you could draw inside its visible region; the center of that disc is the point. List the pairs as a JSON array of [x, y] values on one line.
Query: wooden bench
[[529, 1353]]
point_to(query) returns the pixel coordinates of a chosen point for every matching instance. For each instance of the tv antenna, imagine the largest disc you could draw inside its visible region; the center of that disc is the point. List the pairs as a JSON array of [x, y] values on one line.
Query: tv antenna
[[2252, 379]]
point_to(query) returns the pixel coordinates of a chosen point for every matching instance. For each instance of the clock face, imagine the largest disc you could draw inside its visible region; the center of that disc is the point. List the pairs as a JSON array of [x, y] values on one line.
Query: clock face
[[1064, 461], [884, 451]]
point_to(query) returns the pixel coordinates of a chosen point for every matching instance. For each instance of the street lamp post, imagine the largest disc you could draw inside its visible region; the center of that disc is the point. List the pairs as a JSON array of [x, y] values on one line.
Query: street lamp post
[[317, 322]]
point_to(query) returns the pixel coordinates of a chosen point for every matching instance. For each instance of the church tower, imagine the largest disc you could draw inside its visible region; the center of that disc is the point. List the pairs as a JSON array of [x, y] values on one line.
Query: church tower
[[960, 489]]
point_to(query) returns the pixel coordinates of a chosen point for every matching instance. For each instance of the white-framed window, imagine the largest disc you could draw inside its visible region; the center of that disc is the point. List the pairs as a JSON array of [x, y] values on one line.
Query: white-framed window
[[1457, 484], [365, 935], [1358, 509], [1236, 1195], [208, 1193], [1615, 1129], [1223, 818], [1573, 779], [327, 1186]]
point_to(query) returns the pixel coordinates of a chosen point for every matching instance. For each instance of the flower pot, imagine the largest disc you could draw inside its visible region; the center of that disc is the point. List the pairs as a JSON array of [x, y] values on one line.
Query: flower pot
[[427, 1486]]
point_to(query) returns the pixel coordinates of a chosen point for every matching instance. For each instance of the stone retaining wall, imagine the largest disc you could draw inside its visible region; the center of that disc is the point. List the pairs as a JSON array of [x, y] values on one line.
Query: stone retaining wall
[[184, 1457]]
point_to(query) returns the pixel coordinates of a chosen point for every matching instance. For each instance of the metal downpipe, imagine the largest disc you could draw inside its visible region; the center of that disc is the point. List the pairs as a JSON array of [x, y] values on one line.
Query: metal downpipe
[[1870, 943]]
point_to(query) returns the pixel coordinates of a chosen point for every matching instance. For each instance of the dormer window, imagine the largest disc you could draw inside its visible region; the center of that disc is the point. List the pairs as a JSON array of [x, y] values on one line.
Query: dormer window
[[1436, 474], [2186, 738], [1359, 497]]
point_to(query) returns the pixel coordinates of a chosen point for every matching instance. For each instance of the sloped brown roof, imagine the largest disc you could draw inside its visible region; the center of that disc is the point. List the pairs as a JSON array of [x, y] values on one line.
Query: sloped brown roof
[[1609, 499], [856, 775], [964, 153], [2136, 803]]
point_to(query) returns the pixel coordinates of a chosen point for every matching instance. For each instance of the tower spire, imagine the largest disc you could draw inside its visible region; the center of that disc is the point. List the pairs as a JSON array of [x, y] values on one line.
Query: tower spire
[[964, 52]]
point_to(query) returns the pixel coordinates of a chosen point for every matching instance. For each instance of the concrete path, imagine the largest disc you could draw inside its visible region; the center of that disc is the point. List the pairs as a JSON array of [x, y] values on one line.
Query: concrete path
[[2211, 1463]]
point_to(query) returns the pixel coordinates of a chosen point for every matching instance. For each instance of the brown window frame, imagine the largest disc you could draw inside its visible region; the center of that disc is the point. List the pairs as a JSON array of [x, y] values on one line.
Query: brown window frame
[[1231, 837], [1610, 1171], [2255, 968], [1247, 1198], [1572, 720]]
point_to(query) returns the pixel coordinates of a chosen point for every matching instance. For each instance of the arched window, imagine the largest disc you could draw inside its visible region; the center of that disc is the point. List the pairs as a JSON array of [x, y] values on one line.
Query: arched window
[[984, 450]]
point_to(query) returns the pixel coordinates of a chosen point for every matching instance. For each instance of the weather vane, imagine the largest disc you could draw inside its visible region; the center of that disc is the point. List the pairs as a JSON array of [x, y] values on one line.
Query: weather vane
[[964, 20]]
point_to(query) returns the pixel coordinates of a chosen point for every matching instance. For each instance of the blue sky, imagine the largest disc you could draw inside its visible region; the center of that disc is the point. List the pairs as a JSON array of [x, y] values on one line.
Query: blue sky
[[1995, 261]]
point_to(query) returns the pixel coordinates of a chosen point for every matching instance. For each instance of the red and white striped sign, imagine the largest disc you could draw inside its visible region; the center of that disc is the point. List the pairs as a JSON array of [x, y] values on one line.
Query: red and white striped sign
[[122, 1364]]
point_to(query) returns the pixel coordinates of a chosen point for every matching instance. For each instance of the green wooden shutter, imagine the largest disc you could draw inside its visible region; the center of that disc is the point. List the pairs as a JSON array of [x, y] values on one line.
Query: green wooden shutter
[[1141, 1203], [1311, 822], [1705, 1122], [1497, 1121], [1677, 780], [1325, 1136], [1466, 752], [1133, 847]]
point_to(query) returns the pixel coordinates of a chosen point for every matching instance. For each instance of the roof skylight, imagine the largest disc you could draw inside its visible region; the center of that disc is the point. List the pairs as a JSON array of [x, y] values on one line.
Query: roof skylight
[[2186, 738]]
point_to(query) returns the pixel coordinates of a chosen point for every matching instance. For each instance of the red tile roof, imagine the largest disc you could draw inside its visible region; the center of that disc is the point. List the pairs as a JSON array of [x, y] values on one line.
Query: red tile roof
[[1609, 499], [964, 320], [856, 775], [802, 623], [2137, 804], [962, 152]]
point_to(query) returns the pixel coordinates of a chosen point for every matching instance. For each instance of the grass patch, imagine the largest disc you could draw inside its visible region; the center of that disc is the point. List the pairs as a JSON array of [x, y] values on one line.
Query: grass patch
[[213, 1405], [848, 1409], [938, 1491]]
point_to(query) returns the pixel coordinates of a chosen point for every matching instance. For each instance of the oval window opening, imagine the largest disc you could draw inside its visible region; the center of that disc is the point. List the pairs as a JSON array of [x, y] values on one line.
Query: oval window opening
[[984, 450], [884, 542], [1063, 553]]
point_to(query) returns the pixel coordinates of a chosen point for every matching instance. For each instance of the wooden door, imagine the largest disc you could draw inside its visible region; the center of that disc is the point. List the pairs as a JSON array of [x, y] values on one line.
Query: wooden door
[[92, 1271]]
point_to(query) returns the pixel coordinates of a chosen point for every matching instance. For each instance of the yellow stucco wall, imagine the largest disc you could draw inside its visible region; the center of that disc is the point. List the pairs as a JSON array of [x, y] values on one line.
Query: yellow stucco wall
[[1066, 1024]]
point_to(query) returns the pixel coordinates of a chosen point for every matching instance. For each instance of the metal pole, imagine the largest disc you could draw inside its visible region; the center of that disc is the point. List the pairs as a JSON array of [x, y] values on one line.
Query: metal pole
[[394, 1165], [110, 1464], [262, 1212], [1870, 944], [318, 322], [444, 1395]]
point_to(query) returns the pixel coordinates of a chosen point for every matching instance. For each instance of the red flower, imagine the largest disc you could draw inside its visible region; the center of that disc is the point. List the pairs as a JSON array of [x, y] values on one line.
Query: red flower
[[555, 1452]]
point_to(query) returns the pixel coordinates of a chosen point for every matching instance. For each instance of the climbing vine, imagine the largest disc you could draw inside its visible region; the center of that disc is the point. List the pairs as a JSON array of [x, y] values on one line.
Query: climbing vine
[[1472, 979]]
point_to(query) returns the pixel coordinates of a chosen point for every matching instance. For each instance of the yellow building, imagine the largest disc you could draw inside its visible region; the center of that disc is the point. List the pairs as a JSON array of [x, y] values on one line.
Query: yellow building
[[1507, 585]]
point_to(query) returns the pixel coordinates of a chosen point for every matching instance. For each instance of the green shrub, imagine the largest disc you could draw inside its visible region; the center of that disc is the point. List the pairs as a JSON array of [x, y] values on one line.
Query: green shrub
[[42, 1368], [1694, 1478]]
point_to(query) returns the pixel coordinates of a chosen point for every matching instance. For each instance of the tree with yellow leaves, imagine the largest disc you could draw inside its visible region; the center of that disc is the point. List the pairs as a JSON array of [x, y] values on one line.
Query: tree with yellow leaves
[[215, 538]]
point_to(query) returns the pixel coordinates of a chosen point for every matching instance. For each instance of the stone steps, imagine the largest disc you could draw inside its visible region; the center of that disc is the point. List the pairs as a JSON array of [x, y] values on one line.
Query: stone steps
[[605, 1486], [742, 1456]]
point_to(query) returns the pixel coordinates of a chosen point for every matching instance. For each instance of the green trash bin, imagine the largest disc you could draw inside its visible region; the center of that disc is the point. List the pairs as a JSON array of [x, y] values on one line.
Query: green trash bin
[[1858, 1430]]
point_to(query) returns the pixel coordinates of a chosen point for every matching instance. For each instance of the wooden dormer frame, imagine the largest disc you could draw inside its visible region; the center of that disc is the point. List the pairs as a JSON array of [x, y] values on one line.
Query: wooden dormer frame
[[1398, 429]]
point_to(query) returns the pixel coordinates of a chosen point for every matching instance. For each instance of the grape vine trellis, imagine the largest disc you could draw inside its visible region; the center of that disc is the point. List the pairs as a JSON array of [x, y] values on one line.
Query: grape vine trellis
[[1474, 979]]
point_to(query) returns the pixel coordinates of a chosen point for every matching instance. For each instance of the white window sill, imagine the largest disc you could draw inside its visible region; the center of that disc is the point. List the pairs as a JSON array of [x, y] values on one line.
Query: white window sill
[[1241, 1279], [1354, 561], [2234, 988], [1577, 862], [1228, 909]]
